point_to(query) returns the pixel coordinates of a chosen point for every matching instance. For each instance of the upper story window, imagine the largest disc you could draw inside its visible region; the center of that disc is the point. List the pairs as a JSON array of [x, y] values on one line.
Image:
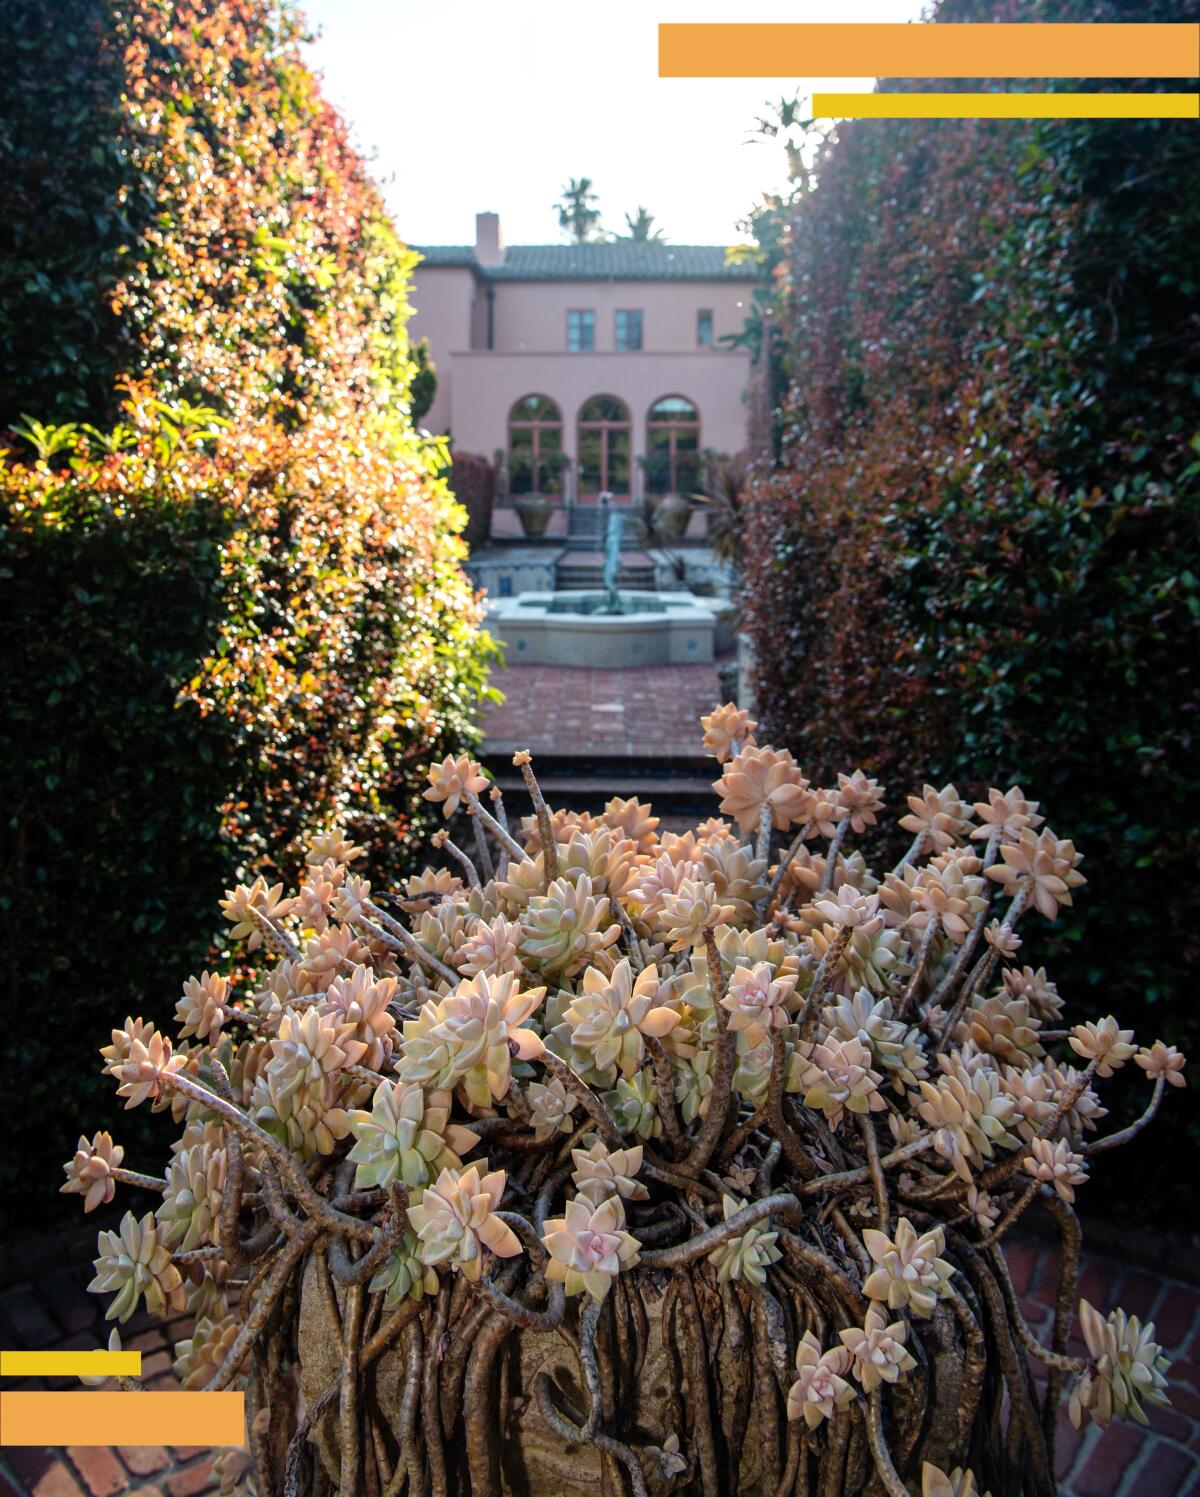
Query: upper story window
[[704, 327], [628, 332], [581, 331]]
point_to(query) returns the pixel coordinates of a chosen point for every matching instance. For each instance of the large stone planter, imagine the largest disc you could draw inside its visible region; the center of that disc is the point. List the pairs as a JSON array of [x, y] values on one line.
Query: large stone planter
[[534, 511], [677, 1354]]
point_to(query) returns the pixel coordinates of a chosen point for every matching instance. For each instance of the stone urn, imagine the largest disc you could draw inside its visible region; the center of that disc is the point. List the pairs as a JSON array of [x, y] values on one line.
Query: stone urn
[[671, 517], [684, 1362], [534, 511]]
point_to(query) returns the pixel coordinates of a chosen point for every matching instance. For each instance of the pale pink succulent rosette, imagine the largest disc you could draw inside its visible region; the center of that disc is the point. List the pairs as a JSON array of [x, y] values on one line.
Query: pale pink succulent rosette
[[455, 1220], [589, 1246]]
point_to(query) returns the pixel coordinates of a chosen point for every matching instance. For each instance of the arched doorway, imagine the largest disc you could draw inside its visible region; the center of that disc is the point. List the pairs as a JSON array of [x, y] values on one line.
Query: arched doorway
[[672, 446], [604, 445], [535, 458]]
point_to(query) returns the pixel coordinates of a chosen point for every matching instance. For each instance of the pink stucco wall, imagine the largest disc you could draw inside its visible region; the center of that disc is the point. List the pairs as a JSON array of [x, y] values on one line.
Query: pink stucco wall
[[444, 308], [477, 387], [486, 385], [532, 316]]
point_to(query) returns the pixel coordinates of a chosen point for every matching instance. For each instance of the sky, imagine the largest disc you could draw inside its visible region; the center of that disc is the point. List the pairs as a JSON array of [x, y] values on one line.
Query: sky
[[464, 106]]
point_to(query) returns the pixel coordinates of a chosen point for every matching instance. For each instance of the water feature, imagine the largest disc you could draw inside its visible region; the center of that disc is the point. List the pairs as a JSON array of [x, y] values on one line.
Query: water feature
[[611, 629]]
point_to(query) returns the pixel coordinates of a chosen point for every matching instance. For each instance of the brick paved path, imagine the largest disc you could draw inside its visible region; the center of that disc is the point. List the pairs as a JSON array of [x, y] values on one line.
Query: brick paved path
[[1123, 1461], [651, 712]]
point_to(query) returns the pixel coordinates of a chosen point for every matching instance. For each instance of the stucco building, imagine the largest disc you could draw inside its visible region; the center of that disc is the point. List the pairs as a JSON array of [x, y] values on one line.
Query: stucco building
[[593, 367]]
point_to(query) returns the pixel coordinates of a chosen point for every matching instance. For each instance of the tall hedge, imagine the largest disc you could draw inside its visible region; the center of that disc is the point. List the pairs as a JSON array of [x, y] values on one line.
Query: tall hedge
[[979, 551], [234, 605]]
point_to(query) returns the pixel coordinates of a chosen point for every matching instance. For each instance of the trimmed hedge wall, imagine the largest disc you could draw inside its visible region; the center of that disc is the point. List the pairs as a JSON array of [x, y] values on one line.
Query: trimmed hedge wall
[[980, 549], [237, 611]]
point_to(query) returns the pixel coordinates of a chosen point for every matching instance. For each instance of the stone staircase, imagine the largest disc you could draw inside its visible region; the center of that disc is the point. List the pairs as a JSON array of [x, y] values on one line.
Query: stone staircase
[[584, 571]]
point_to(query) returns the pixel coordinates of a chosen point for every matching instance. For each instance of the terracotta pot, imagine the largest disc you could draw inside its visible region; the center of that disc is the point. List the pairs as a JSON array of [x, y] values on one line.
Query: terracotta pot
[[671, 516], [534, 511]]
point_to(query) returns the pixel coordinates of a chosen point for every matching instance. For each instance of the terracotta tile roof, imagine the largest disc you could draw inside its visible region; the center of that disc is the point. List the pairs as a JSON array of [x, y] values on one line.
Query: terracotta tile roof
[[620, 261]]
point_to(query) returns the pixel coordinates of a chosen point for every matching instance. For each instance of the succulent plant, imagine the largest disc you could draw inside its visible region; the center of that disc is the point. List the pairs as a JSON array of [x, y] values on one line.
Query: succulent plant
[[470, 1037], [1056, 1165], [551, 1108], [456, 1219], [937, 817], [1042, 864], [678, 1048], [958, 1483], [203, 1008], [406, 1136], [405, 1275], [839, 1077], [877, 1349], [612, 1017], [820, 1390], [199, 1356], [1104, 1043], [969, 1110], [747, 1256], [1162, 1061], [1126, 1372], [910, 1274], [727, 730], [249, 907], [601, 1172], [361, 1005], [566, 928], [686, 914], [633, 1104], [191, 1203], [755, 778], [757, 1001], [451, 781], [92, 1172], [135, 1263], [588, 1246]]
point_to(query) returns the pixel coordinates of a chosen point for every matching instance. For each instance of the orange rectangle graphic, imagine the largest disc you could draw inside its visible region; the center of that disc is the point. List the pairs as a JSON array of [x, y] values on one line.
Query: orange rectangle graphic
[[958, 50], [100, 1417]]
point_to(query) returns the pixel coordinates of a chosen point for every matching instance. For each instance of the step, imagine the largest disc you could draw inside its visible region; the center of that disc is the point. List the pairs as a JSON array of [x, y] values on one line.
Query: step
[[645, 787], [588, 580]]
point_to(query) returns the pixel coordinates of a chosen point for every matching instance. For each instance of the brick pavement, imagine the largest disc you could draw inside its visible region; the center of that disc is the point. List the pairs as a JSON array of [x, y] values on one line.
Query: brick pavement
[[569, 711], [53, 1311]]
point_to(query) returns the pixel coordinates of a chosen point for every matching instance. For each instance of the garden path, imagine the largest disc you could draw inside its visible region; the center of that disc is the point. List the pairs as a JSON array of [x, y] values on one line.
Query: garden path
[[567, 711]]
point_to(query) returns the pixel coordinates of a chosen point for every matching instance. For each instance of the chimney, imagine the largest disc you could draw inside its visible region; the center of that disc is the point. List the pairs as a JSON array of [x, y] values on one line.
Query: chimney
[[489, 241]]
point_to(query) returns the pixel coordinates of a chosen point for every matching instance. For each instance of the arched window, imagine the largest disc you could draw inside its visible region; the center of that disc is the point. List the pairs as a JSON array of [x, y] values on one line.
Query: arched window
[[604, 442], [672, 446], [535, 457]]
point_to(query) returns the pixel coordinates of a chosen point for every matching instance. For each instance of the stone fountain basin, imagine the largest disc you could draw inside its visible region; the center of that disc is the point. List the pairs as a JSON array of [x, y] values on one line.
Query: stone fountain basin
[[571, 629]]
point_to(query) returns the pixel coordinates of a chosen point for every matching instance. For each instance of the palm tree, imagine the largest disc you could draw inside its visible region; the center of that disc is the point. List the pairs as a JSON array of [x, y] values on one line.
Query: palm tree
[[576, 215], [640, 228]]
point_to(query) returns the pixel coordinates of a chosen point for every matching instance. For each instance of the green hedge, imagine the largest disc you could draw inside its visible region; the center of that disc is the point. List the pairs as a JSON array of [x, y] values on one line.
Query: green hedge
[[235, 610], [978, 558]]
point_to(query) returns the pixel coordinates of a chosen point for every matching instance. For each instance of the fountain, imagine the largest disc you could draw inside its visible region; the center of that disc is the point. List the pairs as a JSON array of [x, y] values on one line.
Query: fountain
[[611, 629]]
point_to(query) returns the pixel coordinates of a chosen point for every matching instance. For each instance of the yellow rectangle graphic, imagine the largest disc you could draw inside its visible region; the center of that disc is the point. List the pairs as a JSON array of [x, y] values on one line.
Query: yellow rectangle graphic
[[101, 1418], [1021, 49], [70, 1364], [984, 106]]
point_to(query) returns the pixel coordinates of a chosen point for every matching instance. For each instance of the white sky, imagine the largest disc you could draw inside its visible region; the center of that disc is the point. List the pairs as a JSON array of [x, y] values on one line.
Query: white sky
[[467, 105]]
